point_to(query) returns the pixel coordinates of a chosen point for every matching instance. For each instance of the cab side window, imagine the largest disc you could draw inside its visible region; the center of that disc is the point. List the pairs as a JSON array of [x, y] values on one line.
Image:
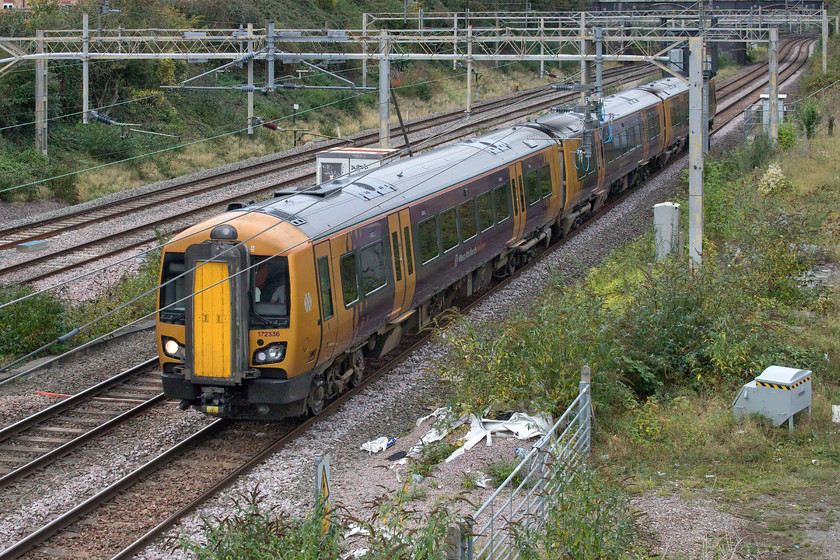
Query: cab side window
[[326, 289]]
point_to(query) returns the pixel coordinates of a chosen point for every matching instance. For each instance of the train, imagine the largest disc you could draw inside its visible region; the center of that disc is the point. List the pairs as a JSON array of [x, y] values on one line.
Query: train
[[271, 309]]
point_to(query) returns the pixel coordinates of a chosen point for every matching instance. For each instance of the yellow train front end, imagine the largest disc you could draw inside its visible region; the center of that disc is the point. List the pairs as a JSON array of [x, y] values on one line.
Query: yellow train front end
[[237, 329]]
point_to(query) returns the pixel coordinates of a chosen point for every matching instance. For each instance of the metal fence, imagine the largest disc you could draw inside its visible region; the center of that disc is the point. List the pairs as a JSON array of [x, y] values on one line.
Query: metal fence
[[521, 500]]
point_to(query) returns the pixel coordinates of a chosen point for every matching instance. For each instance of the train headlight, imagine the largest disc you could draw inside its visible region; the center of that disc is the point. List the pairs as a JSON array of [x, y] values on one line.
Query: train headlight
[[173, 348], [271, 354]]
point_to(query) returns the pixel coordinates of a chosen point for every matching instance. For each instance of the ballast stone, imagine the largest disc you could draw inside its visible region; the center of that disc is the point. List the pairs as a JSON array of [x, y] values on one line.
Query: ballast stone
[[777, 394]]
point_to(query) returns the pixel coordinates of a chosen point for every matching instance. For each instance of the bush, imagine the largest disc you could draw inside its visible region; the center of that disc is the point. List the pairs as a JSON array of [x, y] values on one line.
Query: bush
[[587, 517], [787, 136], [28, 325], [256, 534], [809, 117]]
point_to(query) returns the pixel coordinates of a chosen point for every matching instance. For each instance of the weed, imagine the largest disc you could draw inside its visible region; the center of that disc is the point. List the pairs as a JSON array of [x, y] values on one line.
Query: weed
[[255, 533], [501, 469], [586, 517], [430, 456]]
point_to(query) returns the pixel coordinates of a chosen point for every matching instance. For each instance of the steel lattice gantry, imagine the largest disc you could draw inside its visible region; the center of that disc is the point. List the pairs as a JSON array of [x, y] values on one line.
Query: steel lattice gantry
[[457, 37]]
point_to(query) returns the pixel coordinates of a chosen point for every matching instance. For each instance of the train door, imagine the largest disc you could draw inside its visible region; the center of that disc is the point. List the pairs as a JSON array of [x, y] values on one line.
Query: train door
[[326, 298], [517, 185], [399, 234]]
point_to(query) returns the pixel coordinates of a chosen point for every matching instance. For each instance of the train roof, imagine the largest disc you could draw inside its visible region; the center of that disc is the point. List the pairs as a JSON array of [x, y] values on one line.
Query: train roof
[[666, 87], [324, 209]]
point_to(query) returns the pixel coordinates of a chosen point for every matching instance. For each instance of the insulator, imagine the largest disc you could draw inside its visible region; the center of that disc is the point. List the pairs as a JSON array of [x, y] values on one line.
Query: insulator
[[288, 85], [102, 118], [248, 56], [270, 125], [247, 88], [551, 74]]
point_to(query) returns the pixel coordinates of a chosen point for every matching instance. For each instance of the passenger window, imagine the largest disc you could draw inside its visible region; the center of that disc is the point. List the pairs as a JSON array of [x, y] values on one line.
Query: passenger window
[[485, 211], [409, 256], [427, 232], [395, 250], [466, 216], [545, 180], [448, 229], [349, 282], [326, 289], [501, 202], [373, 267], [532, 180]]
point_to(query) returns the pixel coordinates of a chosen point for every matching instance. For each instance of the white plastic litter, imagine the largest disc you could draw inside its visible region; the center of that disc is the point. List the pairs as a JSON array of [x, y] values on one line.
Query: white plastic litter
[[835, 413], [520, 425], [376, 445]]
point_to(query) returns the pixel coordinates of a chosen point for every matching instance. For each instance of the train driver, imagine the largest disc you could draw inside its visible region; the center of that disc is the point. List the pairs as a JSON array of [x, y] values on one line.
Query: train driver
[[270, 283]]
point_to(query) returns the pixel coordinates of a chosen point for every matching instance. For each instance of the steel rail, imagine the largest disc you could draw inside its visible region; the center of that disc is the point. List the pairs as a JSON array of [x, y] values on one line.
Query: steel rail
[[75, 400]]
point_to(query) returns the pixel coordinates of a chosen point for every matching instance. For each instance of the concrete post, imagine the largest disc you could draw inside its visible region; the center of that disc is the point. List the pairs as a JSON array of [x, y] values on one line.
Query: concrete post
[[585, 67], [469, 69], [364, 49], [695, 150], [85, 69], [250, 79], [40, 97], [269, 69], [824, 41], [836, 24], [599, 61], [384, 92], [774, 86]]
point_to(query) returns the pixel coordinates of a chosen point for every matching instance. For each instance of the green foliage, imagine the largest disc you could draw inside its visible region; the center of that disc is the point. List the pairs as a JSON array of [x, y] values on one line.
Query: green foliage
[[531, 362], [28, 325], [808, 115], [328, 5], [430, 456], [787, 136], [500, 470], [253, 533], [131, 287], [587, 517]]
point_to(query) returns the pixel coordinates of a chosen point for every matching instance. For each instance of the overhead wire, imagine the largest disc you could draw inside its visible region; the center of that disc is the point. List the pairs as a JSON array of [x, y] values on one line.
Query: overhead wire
[[162, 245], [156, 289]]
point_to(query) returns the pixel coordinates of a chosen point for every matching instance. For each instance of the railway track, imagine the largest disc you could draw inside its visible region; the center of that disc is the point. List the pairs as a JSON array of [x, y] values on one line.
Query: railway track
[[44, 437], [199, 456], [299, 165]]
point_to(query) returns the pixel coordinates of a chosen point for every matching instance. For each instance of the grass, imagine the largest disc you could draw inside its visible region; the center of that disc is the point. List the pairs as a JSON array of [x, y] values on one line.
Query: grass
[[430, 456]]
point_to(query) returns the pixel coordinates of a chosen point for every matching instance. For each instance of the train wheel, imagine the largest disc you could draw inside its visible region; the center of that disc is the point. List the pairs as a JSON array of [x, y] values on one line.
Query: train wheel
[[358, 364], [317, 398]]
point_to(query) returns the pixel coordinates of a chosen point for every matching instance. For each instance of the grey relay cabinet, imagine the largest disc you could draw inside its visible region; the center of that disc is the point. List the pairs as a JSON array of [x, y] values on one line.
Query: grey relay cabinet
[[778, 393]]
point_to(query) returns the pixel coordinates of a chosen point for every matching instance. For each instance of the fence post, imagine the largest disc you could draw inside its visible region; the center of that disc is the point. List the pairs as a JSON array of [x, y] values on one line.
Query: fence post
[[585, 420]]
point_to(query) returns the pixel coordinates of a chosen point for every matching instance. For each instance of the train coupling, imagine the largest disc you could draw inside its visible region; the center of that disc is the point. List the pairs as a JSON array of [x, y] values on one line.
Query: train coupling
[[214, 400]]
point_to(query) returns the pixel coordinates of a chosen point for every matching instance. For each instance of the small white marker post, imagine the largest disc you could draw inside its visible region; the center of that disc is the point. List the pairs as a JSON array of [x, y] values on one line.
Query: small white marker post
[[835, 413]]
